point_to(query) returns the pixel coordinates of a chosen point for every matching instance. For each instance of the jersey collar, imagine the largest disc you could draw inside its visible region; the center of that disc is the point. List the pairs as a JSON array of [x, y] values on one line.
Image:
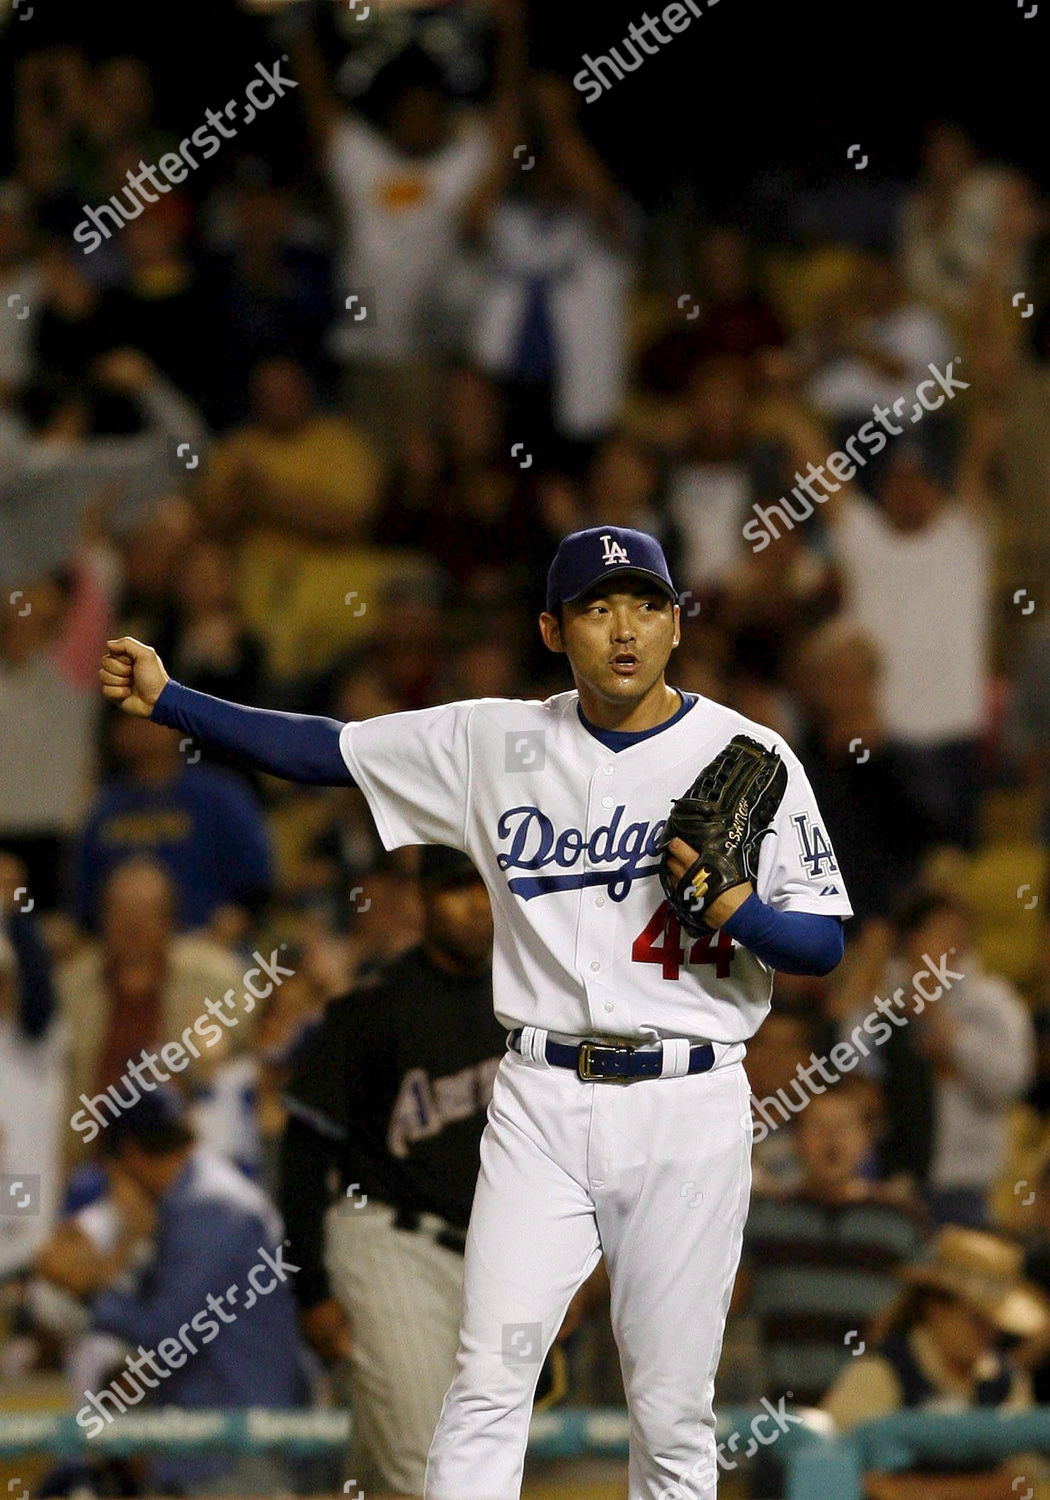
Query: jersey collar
[[622, 739]]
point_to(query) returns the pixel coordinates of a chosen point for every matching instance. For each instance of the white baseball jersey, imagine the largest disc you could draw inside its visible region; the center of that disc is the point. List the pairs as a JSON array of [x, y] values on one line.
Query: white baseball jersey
[[566, 835]]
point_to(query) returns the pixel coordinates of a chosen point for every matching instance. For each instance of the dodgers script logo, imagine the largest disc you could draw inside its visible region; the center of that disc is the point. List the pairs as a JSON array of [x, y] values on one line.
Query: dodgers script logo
[[535, 844], [612, 552]]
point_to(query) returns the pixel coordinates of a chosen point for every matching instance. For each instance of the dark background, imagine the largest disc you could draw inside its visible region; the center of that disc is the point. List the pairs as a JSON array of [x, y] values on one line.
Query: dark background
[[751, 87]]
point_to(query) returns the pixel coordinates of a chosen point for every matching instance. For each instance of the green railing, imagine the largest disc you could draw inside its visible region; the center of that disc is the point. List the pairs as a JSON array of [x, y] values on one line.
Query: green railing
[[816, 1463], [817, 1468]]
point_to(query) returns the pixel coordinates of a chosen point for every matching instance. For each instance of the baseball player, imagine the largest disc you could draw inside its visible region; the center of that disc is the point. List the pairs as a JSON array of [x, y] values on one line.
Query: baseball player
[[631, 964], [393, 1092]]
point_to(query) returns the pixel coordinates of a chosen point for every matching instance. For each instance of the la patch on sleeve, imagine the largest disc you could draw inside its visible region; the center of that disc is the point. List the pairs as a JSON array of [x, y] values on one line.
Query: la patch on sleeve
[[815, 850]]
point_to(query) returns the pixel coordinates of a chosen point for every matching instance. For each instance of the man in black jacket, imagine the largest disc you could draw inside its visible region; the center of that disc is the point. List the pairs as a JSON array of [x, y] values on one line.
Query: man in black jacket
[[392, 1094]]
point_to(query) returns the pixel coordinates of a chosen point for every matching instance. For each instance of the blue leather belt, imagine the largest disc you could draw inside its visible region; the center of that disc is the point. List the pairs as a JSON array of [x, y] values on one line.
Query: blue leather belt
[[595, 1061]]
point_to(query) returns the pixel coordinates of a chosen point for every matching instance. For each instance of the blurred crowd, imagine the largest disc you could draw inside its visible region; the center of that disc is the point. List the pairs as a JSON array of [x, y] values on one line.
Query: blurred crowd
[[316, 440]]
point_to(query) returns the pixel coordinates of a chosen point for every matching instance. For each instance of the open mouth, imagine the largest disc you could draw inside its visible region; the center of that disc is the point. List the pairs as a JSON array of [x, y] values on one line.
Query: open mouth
[[625, 664]]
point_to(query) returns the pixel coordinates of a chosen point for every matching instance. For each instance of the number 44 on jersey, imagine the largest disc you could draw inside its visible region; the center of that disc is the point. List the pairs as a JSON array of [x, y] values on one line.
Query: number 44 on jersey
[[660, 942]]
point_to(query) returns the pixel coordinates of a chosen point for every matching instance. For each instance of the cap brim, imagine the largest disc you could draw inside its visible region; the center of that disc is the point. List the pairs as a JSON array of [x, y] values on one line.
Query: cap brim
[[626, 570]]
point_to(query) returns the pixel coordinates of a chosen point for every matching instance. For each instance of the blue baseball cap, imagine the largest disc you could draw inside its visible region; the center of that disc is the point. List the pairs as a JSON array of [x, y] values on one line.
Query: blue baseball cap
[[584, 559]]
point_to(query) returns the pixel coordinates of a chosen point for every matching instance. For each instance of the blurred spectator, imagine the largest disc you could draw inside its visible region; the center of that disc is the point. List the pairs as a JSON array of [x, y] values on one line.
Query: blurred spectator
[[952, 1071], [31, 1098], [1039, 1094], [21, 288], [117, 115], [355, 687], [1028, 729], [783, 1045], [485, 539], [201, 823], [917, 571], [208, 647], [70, 331], [626, 487], [409, 634], [876, 823], [482, 667], [50, 635], [393, 1093], [270, 288], [938, 1348], [151, 555], [161, 305], [104, 1207], [733, 317], [64, 459], [285, 489], [473, 42], [139, 985], [966, 223], [50, 100], [237, 1108], [1034, 1354], [873, 343], [431, 466], [552, 308], [214, 1230], [403, 191], [719, 472], [328, 879], [767, 603], [819, 1260]]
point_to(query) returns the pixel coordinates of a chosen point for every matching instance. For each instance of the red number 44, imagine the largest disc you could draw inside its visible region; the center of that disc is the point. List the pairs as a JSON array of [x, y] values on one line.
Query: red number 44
[[660, 942]]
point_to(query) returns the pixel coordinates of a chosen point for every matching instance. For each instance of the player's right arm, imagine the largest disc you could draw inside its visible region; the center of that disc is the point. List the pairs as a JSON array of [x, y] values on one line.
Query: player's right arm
[[297, 747]]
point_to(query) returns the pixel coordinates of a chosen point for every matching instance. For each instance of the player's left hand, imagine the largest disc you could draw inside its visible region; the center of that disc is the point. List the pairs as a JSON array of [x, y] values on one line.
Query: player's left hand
[[721, 820], [679, 858]]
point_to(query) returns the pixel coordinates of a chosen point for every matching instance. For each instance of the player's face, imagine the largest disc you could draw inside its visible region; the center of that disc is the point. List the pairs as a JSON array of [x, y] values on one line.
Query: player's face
[[618, 643]]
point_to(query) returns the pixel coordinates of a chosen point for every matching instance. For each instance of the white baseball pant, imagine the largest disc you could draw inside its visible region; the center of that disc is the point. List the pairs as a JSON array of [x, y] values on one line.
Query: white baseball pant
[[657, 1175]]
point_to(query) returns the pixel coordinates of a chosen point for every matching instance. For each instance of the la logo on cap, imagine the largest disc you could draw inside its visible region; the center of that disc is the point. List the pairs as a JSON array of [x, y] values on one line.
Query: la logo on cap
[[612, 552]]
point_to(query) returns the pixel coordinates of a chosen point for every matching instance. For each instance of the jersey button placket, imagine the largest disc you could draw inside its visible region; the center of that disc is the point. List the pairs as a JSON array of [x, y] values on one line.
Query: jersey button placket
[[594, 932]]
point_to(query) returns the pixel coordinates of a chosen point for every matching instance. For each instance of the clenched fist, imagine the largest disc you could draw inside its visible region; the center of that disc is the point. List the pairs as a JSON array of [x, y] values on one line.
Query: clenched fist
[[132, 675]]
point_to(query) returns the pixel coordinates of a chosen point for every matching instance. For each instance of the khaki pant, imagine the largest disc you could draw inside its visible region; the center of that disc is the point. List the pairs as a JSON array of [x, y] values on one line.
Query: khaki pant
[[403, 1295]]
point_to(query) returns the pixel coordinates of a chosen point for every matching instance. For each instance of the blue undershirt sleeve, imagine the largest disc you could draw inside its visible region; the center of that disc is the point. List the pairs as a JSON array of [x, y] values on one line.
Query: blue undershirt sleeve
[[299, 747], [795, 942]]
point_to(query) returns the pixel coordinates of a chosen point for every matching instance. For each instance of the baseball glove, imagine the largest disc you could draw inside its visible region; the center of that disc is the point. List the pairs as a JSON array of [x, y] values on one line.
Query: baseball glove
[[724, 816]]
